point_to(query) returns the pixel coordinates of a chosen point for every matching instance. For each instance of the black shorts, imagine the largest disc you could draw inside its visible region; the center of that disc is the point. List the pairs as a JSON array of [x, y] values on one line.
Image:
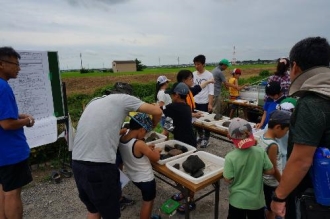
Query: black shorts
[[268, 191], [99, 187], [15, 176], [148, 189], [237, 213]]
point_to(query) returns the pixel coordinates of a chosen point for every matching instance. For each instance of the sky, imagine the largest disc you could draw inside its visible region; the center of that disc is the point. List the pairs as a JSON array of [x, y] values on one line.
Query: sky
[[160, 32]]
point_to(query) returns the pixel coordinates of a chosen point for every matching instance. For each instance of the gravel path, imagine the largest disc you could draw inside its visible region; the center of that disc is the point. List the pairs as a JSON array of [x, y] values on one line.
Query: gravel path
[[46, 200]]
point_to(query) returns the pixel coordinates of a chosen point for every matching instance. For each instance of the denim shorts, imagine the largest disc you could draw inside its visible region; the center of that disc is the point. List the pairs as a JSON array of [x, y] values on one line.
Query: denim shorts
[[148, 189], [15, 176], [99, 187]]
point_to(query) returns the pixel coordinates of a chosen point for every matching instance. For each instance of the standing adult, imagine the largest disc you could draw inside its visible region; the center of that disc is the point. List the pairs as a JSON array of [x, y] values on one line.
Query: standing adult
[[95, 148], [282, 75], [309, 126], [204, 99], [14, 150], [219, 79]]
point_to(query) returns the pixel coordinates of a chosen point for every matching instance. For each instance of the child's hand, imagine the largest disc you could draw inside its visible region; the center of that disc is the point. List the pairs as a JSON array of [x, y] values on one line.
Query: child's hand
[[122, 131], [152, 147], [258, 125]]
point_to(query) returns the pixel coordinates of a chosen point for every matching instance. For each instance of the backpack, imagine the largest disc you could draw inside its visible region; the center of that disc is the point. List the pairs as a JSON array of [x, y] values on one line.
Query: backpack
[[120, 88]]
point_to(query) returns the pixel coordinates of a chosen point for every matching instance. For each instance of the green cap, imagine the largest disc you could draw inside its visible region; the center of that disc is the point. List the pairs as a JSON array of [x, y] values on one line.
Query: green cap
[[224, 62], [288, 104]]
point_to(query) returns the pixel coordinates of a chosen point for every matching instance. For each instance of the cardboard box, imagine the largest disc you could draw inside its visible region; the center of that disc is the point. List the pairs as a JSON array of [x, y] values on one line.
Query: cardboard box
[[213, 166]]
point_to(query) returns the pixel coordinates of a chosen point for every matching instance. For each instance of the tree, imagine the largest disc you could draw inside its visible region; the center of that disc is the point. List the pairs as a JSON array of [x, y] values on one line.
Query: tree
[[139, 65]]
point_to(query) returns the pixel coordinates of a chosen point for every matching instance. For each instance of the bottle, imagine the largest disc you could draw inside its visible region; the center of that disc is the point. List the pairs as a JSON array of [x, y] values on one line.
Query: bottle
[[320, 173]]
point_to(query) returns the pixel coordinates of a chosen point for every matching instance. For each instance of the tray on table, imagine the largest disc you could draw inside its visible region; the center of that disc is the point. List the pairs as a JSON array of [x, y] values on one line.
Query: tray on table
[[213, 166], [171, 143]]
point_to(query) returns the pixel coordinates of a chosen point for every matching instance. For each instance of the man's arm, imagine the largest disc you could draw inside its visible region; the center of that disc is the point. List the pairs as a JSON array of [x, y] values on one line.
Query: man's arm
[[13, 124], [153, 110], [297, 167]]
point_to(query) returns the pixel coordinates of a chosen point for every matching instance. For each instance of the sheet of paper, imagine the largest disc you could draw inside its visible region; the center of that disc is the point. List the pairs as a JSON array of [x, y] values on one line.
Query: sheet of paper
[[33, 93], [123, 179]]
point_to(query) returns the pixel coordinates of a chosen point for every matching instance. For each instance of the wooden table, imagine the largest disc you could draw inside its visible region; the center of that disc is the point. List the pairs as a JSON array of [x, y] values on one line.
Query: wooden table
[[217, 133], [185, 186], [244, 105]]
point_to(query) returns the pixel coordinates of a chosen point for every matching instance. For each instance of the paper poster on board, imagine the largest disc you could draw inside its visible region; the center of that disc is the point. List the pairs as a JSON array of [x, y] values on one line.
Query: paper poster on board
[[33, 93]]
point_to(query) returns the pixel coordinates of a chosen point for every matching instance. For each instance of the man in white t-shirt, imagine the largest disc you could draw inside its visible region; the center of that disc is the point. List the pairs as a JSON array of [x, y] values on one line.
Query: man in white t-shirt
[[95, 148], [204, 99]]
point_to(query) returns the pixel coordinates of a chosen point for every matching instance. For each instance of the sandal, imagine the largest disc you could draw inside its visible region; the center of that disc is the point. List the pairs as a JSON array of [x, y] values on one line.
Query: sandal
[[182, 208], [56, 177], [177, 197], [65, 173]]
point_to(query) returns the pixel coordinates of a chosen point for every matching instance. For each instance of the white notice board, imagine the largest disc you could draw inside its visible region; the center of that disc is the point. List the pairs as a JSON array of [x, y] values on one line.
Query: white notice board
[[33, 93]]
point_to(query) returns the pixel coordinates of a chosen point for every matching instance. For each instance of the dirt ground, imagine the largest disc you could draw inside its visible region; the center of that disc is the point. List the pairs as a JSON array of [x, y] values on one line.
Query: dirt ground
[[87, 85], [46, 200]]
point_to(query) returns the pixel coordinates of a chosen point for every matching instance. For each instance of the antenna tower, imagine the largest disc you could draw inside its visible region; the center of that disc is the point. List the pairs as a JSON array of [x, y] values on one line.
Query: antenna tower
[[233, 62]]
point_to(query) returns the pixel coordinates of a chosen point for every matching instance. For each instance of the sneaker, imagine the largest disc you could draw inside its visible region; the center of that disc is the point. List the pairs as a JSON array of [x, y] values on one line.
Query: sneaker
[[125, 202], [182, 208], [205, 143]]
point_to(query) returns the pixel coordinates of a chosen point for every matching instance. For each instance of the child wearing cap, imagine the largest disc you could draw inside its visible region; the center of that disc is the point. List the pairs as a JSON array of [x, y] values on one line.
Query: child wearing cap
[[275, 96], [137, 156], [180, 112], [243, 170], [278, 126], [234, 90], [162, 98]]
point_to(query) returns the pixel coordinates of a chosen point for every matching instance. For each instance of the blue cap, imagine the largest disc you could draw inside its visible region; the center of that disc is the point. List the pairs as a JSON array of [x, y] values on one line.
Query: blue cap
[[144, 120]]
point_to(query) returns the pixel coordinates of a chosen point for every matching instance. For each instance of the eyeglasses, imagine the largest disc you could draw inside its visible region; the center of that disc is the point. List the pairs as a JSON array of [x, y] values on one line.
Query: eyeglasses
[[14, 63]]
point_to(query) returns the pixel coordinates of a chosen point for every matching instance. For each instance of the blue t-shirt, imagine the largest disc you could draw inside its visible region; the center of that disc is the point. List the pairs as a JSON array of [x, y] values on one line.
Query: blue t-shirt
[[13, 145], [269, 106]]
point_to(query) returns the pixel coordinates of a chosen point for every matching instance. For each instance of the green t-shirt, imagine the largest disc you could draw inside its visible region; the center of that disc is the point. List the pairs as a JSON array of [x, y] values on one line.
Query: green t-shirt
[[310, 125], [245, 167], [310, 122]]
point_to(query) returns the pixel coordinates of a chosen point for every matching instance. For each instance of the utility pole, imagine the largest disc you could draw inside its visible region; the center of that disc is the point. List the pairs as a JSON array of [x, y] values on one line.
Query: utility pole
[[178, 60], [80, 61]]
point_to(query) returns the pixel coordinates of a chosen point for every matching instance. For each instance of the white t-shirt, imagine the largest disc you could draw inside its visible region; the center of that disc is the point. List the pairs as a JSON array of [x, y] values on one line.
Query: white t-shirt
[[203, 96], [163, 97], [97, 135]]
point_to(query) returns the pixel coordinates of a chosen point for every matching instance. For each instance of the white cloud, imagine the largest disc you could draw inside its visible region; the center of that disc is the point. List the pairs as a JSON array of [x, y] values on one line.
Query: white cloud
[[103, 30]]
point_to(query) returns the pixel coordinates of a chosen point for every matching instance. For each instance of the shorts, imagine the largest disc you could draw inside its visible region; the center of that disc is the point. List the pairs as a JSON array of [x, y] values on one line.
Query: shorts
[[98, 187], [237, 213], [232, 98], [15, 176], [148, 189], [268, 191]]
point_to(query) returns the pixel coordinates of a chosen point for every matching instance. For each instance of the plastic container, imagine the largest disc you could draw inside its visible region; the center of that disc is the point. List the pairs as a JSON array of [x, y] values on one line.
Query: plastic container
[[190, 148], [161, 138], [213, 166], [320, 173]]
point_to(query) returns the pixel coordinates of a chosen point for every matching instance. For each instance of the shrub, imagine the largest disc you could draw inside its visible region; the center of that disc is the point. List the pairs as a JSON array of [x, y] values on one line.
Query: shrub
[[264, 73]]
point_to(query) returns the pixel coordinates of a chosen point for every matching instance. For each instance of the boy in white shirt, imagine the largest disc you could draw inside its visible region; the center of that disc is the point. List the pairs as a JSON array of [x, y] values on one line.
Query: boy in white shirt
[[204, 99]]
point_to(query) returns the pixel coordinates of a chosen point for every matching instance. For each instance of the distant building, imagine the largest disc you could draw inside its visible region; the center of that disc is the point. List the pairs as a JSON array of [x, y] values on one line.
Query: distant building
[[124, 66]]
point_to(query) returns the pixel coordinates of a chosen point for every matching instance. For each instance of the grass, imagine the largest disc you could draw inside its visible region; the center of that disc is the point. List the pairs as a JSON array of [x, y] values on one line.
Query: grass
[[159, 71]]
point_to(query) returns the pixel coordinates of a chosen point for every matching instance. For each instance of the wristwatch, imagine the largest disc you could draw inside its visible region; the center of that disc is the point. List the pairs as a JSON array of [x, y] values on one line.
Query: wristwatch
[[277, 199]]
